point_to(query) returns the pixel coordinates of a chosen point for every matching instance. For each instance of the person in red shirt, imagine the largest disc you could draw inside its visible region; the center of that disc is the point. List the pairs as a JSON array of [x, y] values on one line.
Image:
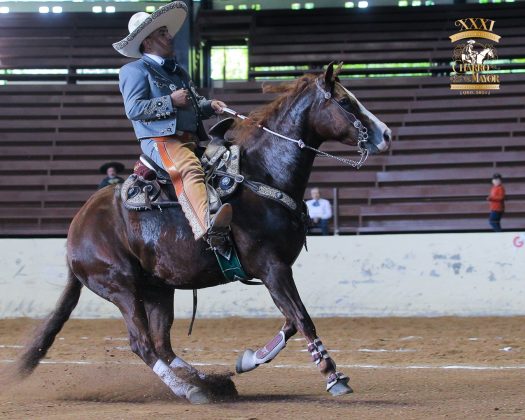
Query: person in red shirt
[[496, 199]]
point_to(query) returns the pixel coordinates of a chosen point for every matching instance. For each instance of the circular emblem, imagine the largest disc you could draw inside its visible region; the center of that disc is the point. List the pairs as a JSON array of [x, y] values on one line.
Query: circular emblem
[[225, 183]]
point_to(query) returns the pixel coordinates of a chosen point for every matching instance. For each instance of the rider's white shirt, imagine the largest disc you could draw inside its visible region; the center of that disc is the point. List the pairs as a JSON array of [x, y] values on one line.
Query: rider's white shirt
[[156, 58]]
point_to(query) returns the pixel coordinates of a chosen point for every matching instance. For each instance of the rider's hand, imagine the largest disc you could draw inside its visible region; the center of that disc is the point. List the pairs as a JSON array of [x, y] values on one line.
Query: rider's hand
[[180, 98], [217, 106]]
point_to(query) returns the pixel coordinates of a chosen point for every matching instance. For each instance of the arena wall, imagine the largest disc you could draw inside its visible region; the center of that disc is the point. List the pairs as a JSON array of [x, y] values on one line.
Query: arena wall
[[384, 275]]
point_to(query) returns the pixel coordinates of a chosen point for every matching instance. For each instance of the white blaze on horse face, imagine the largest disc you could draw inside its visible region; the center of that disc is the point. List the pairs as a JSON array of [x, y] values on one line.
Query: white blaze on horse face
[[376, 127]]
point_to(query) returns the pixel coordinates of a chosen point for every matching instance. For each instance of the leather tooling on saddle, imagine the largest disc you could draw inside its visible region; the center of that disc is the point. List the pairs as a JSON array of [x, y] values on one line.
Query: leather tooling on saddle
[[139, 194], [221, 163], [222, 172]]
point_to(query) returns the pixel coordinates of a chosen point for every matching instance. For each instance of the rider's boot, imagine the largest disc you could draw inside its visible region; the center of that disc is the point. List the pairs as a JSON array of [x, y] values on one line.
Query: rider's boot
[[187, 175]]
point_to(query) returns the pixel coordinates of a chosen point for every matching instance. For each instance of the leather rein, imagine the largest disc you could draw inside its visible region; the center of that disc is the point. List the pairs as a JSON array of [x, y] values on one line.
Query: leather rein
[[362, 137]]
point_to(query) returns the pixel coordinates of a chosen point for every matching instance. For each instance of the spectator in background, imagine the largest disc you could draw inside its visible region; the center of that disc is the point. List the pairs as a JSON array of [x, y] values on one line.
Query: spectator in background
[[111, 170], [319, 210], [497, 202]]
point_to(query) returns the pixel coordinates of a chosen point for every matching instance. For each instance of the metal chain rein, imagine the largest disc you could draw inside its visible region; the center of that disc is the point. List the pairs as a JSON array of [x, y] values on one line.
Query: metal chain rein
[[363, 135]]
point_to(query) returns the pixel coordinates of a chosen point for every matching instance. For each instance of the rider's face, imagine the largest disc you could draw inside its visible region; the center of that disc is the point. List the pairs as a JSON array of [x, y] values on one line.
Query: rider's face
[[159, 43]]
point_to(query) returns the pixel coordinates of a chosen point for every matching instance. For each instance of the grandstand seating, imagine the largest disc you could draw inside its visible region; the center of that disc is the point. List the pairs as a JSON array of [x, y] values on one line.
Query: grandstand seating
[[67, 41], [53, 137]]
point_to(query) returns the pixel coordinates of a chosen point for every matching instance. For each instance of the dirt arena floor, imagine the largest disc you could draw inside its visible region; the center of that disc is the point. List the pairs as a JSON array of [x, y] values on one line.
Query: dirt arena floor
[[400, 368]]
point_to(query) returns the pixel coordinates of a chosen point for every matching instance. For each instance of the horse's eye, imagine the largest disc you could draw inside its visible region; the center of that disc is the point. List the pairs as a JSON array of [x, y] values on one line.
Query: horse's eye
[[345, 104]]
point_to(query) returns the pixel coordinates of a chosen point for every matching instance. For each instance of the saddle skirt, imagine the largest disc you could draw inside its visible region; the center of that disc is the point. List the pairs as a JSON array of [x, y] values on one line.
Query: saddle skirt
[[221, 164]]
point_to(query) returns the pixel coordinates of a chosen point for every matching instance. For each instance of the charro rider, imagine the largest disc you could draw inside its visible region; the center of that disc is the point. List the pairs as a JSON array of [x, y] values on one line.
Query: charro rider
[[166, 110], [470, 52]]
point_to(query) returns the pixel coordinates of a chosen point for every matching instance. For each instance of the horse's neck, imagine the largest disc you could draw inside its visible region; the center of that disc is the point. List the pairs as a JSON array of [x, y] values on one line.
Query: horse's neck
[[278, 162]]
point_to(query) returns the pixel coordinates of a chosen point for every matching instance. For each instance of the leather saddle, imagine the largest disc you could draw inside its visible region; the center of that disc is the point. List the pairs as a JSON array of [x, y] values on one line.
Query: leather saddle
[[221, 163]]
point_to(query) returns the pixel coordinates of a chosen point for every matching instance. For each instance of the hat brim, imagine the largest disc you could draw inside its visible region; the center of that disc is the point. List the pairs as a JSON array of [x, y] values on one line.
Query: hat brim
[[119, 167], [171, 15]]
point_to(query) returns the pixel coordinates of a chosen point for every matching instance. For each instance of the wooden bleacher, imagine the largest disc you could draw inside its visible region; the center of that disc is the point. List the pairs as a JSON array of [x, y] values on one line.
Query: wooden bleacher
[[285, 43], [52, 141], [66, 41], [53, 137]]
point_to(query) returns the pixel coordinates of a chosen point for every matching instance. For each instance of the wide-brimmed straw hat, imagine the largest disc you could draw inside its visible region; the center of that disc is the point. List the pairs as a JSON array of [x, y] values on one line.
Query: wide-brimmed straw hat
[[142, 24]]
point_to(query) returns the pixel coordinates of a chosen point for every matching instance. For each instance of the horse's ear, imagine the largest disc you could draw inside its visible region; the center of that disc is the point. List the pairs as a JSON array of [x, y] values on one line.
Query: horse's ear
[[329, 77], [337, 70]]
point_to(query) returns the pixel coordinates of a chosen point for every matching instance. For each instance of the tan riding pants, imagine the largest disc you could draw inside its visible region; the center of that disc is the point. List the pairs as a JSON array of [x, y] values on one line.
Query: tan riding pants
[[185, 170]]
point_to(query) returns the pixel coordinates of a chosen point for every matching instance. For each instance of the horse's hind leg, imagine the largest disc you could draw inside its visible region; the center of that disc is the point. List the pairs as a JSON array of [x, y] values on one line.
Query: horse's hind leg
[[133, 310], [281, 286], [250, 359], [158, 302]]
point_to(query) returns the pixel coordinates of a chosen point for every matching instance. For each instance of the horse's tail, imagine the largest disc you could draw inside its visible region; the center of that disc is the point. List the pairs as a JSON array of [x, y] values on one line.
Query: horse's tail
[[45, 334]]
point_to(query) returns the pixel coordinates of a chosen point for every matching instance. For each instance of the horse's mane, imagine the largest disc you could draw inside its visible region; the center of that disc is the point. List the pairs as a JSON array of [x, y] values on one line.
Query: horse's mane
[[288, 90]]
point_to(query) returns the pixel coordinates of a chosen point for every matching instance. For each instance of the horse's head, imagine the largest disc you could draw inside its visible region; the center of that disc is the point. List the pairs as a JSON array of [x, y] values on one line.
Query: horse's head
[[338, 115]]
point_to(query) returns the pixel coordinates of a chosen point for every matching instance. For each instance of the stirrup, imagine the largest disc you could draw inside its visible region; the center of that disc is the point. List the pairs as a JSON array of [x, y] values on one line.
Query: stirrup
[[222, 219], [218, 234]]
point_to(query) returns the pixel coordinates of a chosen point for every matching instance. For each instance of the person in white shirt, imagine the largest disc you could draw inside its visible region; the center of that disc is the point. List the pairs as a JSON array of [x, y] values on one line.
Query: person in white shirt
[[319, 210]]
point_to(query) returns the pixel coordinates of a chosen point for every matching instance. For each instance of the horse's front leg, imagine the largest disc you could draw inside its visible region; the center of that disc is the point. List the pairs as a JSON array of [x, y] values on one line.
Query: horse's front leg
[[281, 286], [250, 359]]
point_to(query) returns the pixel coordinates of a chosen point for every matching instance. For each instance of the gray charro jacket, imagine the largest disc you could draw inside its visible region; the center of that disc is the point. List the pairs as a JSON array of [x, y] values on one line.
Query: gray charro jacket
[[146, 89]]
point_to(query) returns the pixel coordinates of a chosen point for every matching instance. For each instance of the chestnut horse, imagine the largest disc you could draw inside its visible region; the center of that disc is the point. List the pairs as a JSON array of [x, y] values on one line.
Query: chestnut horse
[[137, 259]]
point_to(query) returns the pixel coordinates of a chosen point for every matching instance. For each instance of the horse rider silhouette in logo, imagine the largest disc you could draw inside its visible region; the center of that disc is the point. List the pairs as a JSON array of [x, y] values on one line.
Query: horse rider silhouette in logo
[[166, 111], [471, 56], [469, 53]]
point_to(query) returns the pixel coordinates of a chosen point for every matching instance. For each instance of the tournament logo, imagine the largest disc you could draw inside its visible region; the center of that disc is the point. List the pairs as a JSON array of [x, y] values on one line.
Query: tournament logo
[[472, 73]]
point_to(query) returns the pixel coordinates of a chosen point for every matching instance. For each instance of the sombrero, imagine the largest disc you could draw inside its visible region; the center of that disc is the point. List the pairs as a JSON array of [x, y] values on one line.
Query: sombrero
[[119, 167], [142, 24]]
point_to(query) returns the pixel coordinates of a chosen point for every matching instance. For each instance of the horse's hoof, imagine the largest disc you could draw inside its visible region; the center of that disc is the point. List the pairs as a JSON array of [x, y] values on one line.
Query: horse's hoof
[[197, 396], [245, 362], [340, 388]]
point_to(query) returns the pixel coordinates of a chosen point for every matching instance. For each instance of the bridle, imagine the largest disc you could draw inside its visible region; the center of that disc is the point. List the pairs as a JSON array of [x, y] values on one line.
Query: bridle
[[362, 137]]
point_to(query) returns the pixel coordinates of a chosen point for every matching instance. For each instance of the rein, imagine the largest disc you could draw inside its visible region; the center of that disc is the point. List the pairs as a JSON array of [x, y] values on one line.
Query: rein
[[361, 139]]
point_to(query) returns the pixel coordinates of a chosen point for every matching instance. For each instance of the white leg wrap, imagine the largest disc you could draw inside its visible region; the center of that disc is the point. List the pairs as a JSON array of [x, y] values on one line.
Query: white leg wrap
[[179, 363], [177, 385], [250, 359]]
